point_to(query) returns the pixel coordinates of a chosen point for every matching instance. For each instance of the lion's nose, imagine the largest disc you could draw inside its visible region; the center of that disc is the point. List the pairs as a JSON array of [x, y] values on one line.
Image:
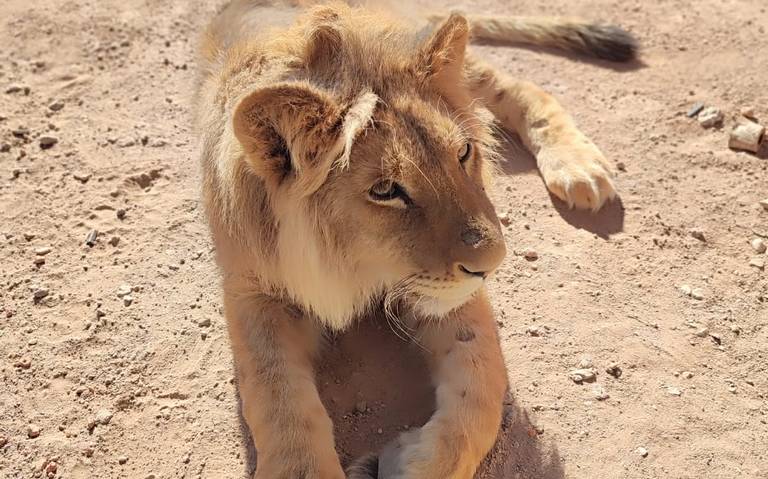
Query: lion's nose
[[479, 252]]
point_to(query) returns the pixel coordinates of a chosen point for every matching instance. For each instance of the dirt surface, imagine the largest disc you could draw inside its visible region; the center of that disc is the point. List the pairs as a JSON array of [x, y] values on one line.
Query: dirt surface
[[93, 387]]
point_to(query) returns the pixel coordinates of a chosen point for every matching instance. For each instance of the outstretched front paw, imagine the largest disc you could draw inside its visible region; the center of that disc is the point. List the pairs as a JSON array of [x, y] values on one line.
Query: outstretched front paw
[[577, 173]]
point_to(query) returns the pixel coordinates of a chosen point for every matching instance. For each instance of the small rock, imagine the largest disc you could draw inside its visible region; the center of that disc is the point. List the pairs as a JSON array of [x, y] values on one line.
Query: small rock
[[114, 241], [758, 245], [530, 255], [748, 112], [702, 333], [42, 251], [33, 431], [758, 263], [91, 237], [698, 234], [687, 374], [23, 363], [732, 389], [674, 391], [695, 110], [505, 219], [128, 300], [47, 142], [764, 204], [20, 132], [126, 142], [122, 459], [82, 177], [710, 117], [746, 135], [697, 294], [204, 323], [17, 88], [686, 290], [3, 441], [124, 290], [50, 468], [120, 214], [103, 417], [361, 407], [642, 452], [600, 394], [735, 329], [582, 375], [716, 338], [39, 293], [533, 331], [57, 105], [5, 147], [614, 370]]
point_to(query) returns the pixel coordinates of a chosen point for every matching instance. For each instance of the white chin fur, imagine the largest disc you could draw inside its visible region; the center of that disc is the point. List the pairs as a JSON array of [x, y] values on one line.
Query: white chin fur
[[432, 307]]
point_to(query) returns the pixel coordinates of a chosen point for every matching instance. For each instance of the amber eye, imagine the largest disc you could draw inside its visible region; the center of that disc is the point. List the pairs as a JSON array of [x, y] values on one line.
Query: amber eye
[[387, 191], [465, 152]]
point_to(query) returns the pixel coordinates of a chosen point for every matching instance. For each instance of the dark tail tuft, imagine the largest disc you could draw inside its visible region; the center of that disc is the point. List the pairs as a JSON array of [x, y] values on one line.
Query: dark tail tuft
[[607, 42]]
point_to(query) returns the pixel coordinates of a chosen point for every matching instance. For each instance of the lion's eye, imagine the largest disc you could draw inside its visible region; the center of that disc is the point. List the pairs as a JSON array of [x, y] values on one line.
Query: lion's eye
[[387, 190], [465, 152]]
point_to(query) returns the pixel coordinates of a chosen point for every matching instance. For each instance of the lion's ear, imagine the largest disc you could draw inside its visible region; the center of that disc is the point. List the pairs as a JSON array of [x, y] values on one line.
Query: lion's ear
[[294, 131], [441, 58]]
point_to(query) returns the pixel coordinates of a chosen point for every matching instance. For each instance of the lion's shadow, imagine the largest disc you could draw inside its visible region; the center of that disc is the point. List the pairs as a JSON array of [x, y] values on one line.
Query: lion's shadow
[[376, 385]]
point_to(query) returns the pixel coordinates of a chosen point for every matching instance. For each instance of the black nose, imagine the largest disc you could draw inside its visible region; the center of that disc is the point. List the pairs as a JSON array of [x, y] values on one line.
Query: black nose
[[479, 274]]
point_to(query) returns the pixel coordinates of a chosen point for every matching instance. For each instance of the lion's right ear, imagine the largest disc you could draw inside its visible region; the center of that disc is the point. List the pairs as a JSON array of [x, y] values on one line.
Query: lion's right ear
[[286, 130], [293, 131]]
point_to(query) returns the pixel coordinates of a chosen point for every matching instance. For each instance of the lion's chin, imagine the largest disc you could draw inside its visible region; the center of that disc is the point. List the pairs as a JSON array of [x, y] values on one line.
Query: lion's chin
[[431, 307]]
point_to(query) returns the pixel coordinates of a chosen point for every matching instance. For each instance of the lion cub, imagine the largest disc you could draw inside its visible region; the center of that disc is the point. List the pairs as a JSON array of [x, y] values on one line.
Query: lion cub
[[346, 160]]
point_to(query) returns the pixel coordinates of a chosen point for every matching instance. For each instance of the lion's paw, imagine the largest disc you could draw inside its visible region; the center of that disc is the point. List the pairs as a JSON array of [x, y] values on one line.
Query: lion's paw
[[578, 174]]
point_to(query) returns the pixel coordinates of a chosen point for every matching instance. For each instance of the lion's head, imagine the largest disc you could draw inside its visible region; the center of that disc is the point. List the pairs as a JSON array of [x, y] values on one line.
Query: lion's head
[[376, 164]]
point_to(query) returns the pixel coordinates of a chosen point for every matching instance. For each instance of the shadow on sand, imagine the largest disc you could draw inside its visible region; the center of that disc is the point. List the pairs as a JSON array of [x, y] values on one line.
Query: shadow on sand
[[376, 385]]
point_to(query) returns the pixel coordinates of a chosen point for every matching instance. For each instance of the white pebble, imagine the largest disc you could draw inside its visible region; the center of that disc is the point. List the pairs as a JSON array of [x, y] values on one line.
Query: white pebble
[[710, 117], [697, 294], [674, 391], [758, 245]]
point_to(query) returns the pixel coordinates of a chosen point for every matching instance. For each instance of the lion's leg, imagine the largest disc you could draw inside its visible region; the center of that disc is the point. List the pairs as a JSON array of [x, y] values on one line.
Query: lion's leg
[[273, 348], [572, 166], [470, 379]]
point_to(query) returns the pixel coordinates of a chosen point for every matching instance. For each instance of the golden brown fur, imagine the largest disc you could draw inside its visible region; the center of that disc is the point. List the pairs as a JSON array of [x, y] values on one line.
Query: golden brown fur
[[346, 159]]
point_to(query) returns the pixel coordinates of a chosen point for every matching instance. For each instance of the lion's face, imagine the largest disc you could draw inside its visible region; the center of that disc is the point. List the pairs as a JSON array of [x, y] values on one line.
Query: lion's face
[[413, 201]]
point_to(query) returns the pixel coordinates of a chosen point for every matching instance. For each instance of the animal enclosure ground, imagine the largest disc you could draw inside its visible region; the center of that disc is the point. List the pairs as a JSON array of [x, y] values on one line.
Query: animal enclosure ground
[[114, 359]]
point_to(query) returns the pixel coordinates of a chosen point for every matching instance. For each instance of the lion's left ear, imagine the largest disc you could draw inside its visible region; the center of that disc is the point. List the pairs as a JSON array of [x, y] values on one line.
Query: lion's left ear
[[441, 58]]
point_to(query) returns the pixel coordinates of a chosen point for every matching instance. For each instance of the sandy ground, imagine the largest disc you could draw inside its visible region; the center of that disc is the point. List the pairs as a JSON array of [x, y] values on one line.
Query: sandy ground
[[93, 387]]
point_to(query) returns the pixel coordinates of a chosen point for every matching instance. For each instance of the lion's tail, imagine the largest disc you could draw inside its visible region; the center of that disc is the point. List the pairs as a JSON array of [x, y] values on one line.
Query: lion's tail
[[608, 42]]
